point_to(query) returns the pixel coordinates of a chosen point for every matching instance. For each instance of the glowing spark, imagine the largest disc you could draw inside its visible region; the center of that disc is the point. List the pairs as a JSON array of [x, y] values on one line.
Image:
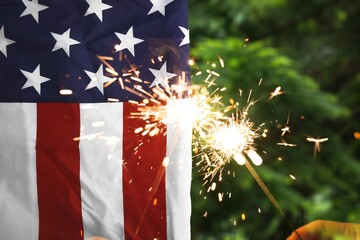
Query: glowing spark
[[285, 130], [283, 143], [113, 100], [249, 97], [105, 59], [136, 79], [66, 92], [112, 71], [220, 196], [357, 135], [121, 82], [276, 92], [166, 161], [88, 137], [133, 102], [222, 64], [264, 134], [317, 142], [215, 73]]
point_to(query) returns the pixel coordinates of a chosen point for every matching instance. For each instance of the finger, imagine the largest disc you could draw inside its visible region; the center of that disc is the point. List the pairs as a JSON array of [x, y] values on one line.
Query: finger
[[303, 234], [310, 231]]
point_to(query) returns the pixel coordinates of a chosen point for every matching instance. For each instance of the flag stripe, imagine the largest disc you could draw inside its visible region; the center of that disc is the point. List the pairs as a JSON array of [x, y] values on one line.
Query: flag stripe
[[18, 192], [143, 181], [101, 170], [95, 152], [58, 169], [178, 175]]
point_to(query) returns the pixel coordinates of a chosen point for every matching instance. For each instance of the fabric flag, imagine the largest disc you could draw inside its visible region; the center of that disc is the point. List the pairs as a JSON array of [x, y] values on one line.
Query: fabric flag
[[72, 163]]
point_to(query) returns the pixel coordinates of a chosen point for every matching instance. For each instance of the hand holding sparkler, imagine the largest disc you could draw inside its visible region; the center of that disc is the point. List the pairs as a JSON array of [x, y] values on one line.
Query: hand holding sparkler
[[320, 229]]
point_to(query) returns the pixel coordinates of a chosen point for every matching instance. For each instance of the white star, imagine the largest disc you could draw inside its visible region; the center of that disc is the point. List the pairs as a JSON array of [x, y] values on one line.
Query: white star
[[186, 39], [34, 79], [128, 41], [96, 6], [64, 41], [97, 79], [33, 8], [4, 41], [161, 76], [159, 5]]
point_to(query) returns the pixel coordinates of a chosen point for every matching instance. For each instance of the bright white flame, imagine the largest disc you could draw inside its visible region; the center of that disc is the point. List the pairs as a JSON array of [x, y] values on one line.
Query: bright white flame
[[239, 158], [166, 161], [181, 111], [213, 186], [255, 158], [66, 92], [229, 139], [220, 196]]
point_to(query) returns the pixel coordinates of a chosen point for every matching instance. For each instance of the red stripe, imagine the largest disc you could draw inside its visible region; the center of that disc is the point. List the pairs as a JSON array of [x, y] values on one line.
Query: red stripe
[[143, 181], [58, 170]]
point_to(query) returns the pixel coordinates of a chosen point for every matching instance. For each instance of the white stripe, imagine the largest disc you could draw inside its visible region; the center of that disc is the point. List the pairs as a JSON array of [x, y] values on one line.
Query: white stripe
[[18, 187], [101, 170], [178, 173]]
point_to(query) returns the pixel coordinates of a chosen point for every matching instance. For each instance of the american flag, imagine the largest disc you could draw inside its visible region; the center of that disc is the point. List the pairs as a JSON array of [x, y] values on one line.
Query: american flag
[[72, 165]]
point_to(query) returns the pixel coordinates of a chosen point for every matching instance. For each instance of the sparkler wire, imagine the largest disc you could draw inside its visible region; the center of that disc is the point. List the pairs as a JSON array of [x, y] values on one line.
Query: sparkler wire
[[270, 196]]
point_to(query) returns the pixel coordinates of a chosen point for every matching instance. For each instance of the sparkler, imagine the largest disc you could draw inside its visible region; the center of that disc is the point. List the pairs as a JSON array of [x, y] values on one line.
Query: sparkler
[[234, 138], [218, 137], [221, 138], [316, 142]]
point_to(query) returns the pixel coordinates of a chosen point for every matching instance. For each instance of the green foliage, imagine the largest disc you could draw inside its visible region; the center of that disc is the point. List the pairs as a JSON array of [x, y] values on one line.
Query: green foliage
[[325, 186], [245, 66]]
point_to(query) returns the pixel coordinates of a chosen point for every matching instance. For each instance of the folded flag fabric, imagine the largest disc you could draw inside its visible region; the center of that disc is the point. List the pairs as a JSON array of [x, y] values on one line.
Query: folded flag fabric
[[72, 165]]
